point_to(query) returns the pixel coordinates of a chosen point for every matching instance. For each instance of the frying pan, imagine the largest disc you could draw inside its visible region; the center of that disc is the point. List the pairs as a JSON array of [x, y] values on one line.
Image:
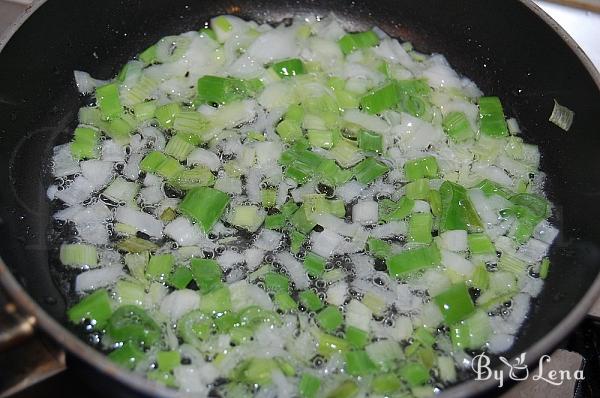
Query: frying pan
[[509, 48]]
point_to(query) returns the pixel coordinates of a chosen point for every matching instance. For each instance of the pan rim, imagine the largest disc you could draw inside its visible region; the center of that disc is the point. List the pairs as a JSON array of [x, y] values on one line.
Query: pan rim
[[83, 351]]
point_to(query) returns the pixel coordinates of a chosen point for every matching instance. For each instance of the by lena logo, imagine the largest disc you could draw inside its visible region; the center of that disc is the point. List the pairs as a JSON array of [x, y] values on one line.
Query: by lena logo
[[519, 371]]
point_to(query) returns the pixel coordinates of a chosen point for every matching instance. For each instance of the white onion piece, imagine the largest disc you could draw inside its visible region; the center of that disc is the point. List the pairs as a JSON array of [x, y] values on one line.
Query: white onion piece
[[337, 225], [229, 185], [324, 243], [63, 163], [500, 342], [369, 122], [545, 232], [455, 240], [229, 258], [190, 380], [533, 251], [243, 294], [132, 168], [85, 83], [97, 278], [294, 269], [365, 212], [78, 191], [390, 230], [204, 157], [143, 222], [276, 44], [152, 194], [179, 302], [421, 206], [349, 191], [113, 152], [358, 315], [182, 231], [253, 258], [457, 263], [440, 74], [154, 135], [97, 172], [152, 180], [336, 293], [268, 240]]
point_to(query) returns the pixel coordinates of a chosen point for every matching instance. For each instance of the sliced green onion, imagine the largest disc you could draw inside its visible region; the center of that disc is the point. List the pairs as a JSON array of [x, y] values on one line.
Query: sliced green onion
[[491, 116], [269, 197], [248, 217], [418, 189], [381, 99], [310, 300], [276, 282], [289, 130], [457, 126], [473, 332], [370, 142], [108, 100], [562, 116], [314, 264], [408, 261], [179, 147], [419, 228], [297, 239], [386, 384], [85, 144], [330, 318], [96, 307], [358, 363], [425, 167], [544, 268], [78, 254], [199, 176], [132, 323], [165, 114], [392, 211], [379, 248], [356, 337], [480, 278], [180, 278], [289, 67], [480, 244], [309, 385], [168, 360], [160, 266], [216, 302], [354, 41], [207, 274], [455, 303], [329, 344], [415, 374], [285, 302], [204, 205], [346, 389], [458, 213], [369, 170], [320, 138], [220, 90], [133, 244]]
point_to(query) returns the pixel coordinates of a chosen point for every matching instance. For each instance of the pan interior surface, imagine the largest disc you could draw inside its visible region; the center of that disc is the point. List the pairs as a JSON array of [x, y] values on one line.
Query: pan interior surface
[[502, 46]]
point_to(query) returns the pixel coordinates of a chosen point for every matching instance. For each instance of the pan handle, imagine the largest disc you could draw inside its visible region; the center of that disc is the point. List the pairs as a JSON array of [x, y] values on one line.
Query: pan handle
[[27, 356], [20, 328]]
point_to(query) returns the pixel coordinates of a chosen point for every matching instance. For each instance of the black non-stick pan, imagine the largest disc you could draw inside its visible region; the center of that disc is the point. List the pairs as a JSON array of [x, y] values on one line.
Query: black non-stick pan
[[509, 48]]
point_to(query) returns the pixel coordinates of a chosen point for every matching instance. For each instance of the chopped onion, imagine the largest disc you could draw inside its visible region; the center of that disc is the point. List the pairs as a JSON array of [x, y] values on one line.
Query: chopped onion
[[97, 278], [562, 116], [141, 221]]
